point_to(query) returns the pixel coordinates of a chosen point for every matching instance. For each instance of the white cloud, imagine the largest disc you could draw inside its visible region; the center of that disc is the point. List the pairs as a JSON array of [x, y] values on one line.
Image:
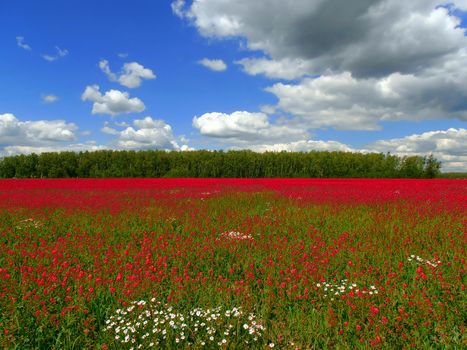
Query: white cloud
[[214, 65], [113, 102], [74, 147], [22, 137], [146, 133], [286, 68], [331, 101], [268, 109], [342, 101], [107, 129], [459, 4], [369, 61], [34, 133], [122, 55], [304, 146], [20, 42], [122, 124], [448, 146], [131, 75], [243, 127], [186, 148], [49, 98], [104, 66], [178, 8], [368, 38], [60, 53]]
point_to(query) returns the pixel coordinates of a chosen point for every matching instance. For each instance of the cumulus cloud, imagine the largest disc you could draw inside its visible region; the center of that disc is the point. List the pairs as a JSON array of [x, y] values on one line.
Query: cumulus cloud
[[286, 68], [22, 44], [365, 37], [243, 127], [337, 101], [34, 133], [49, 98], [342, 101], [131, 74], [448, 146], [113, 102], [268, 109], [304, 146], [214, 65], [73, 147], [23, 137], [108, 129], [255, 131], [60, 53], [356, 62], [122, 124], [461, 5], [146, 133], [178, 7]]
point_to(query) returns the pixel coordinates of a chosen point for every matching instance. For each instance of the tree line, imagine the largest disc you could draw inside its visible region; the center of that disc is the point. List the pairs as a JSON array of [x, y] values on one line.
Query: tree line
[[217, 164], [453, 175]]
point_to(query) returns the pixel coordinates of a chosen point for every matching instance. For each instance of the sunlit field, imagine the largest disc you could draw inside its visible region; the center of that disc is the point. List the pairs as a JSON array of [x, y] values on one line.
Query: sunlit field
[[236, 264]]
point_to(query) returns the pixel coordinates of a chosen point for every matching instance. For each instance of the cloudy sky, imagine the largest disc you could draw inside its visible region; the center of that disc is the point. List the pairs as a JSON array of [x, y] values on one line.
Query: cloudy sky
[[360, 75]]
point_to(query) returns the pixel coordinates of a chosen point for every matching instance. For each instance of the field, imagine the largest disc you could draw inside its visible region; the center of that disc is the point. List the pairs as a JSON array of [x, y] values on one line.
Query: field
[[238, 264]]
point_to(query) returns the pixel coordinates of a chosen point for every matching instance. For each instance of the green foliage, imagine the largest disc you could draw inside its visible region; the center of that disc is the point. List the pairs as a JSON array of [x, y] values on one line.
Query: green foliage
[[432, 167], [217, 164]]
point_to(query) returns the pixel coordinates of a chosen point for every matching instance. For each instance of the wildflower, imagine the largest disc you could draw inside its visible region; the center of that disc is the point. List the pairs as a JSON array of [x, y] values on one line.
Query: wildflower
[[141, 321]]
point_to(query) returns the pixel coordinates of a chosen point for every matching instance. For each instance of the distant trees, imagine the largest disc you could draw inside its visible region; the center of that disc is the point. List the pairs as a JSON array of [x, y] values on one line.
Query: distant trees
[[432, 167], [453, 175], [236, 164]]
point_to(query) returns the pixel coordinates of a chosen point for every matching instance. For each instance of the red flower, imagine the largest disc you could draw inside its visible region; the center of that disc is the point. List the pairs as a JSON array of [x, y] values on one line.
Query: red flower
[[374, 310]]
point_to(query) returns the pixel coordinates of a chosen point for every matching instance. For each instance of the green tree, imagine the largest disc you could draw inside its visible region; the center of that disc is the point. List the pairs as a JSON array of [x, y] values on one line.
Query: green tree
[[432, 167]]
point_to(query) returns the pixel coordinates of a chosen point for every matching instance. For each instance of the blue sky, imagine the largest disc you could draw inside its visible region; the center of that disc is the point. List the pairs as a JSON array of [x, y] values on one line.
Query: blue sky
[[266, 75]]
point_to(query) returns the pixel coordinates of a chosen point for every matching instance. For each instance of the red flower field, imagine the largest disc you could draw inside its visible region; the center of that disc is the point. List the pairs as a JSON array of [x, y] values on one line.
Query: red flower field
[[232, 263]]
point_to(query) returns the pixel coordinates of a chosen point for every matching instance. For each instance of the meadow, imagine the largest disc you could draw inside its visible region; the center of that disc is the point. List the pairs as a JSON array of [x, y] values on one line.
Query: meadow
[[232, 263]]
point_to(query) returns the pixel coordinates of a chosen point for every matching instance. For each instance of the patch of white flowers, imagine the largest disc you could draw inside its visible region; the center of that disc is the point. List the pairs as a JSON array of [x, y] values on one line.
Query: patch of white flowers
[[28, 223], [146, 325], [344, 287], [234, 235], [418, 260]]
